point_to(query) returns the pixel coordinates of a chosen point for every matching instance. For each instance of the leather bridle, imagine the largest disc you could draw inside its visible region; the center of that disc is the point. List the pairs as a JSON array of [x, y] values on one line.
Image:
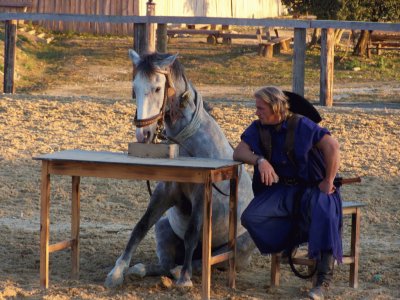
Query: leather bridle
[[169, 96]]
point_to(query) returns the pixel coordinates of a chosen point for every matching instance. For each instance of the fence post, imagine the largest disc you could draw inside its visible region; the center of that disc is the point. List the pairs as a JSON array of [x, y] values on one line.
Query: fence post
[[150, 11], [143, 33], [10, 42], [327, 66], [140, 44], [299, 57], [162, 38]]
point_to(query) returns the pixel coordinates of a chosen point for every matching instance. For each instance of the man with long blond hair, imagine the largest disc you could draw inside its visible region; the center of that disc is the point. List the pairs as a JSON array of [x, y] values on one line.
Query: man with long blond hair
[[295, 163]]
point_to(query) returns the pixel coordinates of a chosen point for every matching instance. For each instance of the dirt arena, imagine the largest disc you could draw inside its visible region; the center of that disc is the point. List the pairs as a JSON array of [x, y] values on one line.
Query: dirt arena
[[32, 125]]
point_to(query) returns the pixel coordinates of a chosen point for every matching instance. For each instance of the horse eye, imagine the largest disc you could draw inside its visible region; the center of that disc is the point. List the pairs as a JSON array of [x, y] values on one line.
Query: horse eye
[[158, 89]]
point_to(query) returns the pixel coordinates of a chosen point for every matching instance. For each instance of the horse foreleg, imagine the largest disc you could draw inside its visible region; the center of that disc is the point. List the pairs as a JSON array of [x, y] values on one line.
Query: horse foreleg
[[191, 240], [159, 204]]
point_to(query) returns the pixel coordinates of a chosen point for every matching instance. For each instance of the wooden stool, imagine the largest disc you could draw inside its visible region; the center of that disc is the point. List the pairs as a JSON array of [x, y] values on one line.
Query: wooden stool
[[349, 208]]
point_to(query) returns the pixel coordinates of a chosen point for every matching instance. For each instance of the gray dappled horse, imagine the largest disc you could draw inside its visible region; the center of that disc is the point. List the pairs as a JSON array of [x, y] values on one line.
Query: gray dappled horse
[[164, 95]]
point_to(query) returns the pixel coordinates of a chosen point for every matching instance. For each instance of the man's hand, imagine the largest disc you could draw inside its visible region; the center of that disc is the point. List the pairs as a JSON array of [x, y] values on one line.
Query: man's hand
[[267, 172], [326, 187]]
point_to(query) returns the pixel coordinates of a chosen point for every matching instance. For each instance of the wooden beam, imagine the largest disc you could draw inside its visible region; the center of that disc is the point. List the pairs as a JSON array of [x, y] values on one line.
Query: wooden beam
[[356, 25], [10, 43], [75, 226], [60, 246], [268, 22], [299, 58], [355, 247], [161, 38], [327, 66], [44, 225], [150, 28], [140, 38], [207, 238], [156, 19], [232, 245]]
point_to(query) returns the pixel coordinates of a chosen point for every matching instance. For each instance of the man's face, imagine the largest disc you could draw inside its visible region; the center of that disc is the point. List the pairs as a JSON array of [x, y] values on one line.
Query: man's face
[[265, 113]]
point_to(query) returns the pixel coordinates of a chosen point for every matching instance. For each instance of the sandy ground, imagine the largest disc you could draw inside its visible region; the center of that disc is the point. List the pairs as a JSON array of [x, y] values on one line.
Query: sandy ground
[[32, 125], [95, 113]]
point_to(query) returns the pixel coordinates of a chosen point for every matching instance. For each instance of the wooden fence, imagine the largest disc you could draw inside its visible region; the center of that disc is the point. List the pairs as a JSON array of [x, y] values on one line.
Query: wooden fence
[[299, 49], [206, 8], [87, 7]]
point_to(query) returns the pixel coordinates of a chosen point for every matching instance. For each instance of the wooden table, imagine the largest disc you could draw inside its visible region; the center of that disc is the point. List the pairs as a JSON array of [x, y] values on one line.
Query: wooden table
[[77, 163]]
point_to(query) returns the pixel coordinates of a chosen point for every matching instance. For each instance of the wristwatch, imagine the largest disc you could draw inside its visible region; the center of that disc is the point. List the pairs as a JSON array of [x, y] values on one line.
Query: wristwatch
[[259, 160]]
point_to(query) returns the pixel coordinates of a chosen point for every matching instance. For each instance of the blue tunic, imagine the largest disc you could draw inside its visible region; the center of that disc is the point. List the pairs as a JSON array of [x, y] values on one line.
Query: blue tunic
[[269, 216]]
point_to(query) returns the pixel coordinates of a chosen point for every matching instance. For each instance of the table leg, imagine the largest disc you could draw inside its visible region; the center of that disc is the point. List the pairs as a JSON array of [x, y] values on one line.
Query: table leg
[[75, 222], [44, 225], [207, 236], [233, 229]]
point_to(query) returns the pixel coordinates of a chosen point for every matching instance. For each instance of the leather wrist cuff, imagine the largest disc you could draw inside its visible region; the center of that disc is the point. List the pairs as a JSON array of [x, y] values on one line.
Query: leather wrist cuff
[[259, 160]]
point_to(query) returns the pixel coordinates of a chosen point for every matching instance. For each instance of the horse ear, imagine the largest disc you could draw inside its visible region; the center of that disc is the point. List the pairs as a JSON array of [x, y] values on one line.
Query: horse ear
[[135, 58], [168, 61]]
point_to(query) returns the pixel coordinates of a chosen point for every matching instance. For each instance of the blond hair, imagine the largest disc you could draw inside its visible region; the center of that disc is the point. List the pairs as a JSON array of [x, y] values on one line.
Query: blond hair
[[275, 97]]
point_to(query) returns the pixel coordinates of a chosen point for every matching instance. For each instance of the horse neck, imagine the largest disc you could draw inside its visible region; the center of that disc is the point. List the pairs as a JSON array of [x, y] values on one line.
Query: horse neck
[[185, 113], [197, 132]]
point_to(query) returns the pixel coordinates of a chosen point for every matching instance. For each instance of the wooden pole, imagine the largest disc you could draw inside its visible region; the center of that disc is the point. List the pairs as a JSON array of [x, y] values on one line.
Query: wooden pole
[[144, 34], [75, 224], [162, 38], [151, 37], [140, 38], [299, 58], [44, 225], [207, 238], [327, 65], [10, 42]]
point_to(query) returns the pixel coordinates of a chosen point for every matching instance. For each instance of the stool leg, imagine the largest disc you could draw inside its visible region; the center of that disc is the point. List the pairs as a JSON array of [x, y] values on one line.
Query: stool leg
[[275, 269], [232, 230], [355, 247], [75, 222]]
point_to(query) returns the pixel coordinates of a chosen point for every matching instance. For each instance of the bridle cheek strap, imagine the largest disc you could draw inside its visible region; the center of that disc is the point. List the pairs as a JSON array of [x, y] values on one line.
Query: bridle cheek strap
[[169, 94]]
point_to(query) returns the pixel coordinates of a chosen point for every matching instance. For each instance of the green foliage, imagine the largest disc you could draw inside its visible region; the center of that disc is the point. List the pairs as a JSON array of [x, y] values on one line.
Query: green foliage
[[370, 10], [352, 10], [323, 9]]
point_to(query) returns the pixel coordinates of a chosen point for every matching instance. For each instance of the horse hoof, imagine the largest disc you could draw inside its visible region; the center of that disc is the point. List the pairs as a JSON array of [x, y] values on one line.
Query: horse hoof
[[176, 272], [116, 276], [184, 283], [113, 281], [138, 270]]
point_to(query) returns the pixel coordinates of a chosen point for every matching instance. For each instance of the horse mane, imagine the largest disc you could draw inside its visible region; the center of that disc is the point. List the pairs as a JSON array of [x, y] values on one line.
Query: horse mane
[[148, 63]]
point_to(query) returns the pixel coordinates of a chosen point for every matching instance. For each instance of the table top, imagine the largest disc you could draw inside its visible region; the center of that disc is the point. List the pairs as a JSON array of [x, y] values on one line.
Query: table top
[[124, 158]]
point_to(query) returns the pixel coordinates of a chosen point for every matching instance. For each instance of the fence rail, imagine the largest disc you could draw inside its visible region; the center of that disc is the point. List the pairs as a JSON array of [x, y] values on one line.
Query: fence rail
[[271, 22], [141, 39]]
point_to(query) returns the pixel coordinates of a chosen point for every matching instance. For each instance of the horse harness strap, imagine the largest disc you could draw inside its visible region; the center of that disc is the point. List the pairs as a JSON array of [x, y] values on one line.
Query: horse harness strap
[[266, 148], [265, 138]]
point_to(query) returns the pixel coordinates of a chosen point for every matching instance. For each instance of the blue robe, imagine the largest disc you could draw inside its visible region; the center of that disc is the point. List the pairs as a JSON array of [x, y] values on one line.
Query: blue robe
[[269, 216]]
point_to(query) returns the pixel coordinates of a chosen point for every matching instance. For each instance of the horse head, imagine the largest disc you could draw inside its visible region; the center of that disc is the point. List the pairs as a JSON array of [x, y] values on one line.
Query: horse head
[[159, 85]]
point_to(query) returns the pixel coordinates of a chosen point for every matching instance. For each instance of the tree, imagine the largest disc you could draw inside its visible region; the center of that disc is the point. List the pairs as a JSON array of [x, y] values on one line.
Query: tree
[[369, 10], [350, 10]]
